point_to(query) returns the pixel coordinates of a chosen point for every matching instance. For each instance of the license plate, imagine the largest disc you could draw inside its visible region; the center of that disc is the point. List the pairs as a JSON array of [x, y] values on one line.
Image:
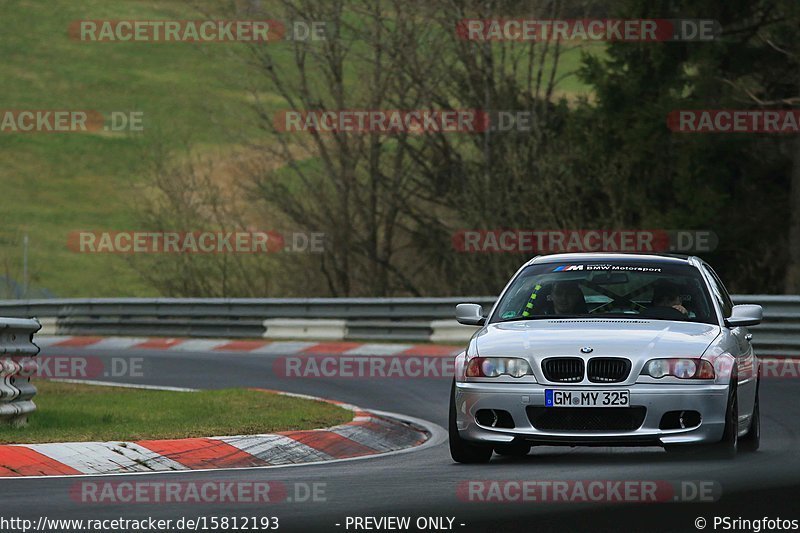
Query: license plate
[[586, 398]]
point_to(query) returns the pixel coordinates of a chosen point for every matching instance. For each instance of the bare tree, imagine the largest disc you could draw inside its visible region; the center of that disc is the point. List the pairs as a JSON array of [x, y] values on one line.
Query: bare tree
[[353, 186], [389, 204], [493, 179], [188, 196], [776, 85]]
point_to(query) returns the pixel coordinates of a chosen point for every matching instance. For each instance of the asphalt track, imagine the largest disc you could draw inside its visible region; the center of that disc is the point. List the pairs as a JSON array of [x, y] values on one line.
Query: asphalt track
[[424, 482]]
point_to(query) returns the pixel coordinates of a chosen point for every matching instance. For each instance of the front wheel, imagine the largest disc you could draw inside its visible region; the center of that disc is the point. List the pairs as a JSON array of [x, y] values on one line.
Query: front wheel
[[463, 451], [729, 445]]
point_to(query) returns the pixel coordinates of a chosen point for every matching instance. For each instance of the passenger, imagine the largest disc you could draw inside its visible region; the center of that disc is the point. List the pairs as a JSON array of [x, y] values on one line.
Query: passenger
[[667, 294], [568, 298]]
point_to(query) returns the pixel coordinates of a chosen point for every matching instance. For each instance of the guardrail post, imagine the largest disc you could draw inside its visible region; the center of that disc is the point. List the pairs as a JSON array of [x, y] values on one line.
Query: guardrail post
[[17, 365]]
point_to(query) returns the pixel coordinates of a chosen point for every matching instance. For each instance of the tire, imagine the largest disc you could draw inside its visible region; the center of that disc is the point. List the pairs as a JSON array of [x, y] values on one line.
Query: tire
[[463, 451], [515, 448], [727, 447], [750, 442]]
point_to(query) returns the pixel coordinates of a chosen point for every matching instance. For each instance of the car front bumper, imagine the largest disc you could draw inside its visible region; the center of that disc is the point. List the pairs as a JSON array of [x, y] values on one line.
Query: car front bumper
[[710, 400]]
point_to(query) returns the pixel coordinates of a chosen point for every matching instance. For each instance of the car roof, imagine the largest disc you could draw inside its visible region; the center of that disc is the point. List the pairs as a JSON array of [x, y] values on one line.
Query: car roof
[[612, 257]]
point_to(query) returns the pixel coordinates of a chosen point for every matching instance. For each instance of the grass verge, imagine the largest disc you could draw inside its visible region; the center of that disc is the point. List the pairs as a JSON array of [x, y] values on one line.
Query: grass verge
[[69, 412]]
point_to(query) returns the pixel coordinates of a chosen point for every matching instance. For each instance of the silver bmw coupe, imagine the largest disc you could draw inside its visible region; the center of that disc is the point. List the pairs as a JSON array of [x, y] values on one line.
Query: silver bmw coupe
[[607, 350]]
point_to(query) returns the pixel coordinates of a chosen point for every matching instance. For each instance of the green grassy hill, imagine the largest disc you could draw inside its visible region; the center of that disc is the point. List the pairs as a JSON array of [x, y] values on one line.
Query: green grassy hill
[[57, 183], [54, 184]]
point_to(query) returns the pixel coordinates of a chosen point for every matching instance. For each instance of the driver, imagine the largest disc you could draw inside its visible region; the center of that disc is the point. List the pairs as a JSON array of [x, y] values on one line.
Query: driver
[[568, 298], [667, 294]]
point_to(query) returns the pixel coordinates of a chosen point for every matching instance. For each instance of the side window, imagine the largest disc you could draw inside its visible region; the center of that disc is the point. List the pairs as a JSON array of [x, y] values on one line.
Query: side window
[[720, 293]]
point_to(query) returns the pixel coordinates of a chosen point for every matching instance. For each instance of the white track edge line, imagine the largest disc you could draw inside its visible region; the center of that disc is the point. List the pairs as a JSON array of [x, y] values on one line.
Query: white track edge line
[[123, 385]]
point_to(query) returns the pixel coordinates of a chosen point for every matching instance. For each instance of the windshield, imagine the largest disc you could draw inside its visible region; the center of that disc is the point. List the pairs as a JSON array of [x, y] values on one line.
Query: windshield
[[608, 290]]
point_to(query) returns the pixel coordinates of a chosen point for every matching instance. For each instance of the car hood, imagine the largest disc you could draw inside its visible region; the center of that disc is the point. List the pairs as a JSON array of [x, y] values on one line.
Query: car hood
[[606, 337]]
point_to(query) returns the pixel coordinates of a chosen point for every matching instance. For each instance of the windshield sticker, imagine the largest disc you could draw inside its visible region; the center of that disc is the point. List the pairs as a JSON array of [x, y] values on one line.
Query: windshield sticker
[[625, 268], [564, 268]]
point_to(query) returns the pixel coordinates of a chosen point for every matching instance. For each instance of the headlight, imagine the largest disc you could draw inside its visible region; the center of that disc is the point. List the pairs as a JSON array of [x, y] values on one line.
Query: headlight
[[684, 368], [679, 368], [657, 368], [517, 367], [491, 367]]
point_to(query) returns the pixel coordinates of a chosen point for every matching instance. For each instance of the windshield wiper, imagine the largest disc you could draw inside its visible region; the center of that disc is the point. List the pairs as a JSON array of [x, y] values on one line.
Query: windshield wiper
[[538, 317]]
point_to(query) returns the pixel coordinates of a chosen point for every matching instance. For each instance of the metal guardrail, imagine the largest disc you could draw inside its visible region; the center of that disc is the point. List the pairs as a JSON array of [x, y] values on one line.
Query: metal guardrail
[[16, 366], [403, 319], [370, 318], [779, 333]]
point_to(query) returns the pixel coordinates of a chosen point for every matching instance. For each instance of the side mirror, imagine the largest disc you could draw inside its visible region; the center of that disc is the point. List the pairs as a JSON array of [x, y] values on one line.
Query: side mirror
[[745, 315], [470, 315]]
